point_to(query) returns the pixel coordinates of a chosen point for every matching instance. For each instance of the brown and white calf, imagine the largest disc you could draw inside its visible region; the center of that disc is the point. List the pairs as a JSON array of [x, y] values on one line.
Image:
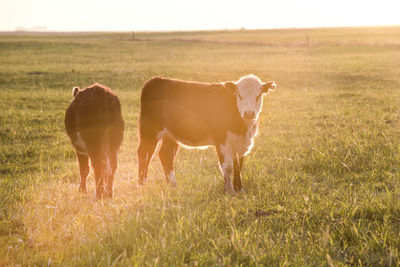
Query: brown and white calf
[[95, 127], [200, 114]]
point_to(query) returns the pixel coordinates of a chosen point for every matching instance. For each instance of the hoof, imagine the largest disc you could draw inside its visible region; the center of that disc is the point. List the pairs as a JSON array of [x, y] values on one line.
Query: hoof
[[103, 196], [82, 189], [174, 184], [108, 195], [229, 190], [231, 193], [171, 179], [142, 182], [240, 190]]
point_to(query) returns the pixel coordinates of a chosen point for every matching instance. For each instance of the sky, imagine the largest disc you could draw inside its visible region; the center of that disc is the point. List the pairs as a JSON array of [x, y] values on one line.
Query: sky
[[166, 15]]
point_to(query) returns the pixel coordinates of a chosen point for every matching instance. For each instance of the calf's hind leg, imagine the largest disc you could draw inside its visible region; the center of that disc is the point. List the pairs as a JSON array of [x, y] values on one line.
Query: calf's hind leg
[[99, 167], [167, 155], [145, 152], [83, 161], [111, 168]]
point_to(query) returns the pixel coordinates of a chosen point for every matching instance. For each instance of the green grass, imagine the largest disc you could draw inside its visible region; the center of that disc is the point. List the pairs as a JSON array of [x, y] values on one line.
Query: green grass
[[322, 184]]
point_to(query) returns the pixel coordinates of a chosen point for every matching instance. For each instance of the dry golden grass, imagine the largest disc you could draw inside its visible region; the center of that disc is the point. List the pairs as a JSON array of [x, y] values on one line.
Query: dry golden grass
[[321, 185], [57, 217]]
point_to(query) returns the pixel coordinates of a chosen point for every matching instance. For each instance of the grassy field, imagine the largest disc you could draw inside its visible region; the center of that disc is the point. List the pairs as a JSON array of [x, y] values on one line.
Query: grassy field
[[322, 184]]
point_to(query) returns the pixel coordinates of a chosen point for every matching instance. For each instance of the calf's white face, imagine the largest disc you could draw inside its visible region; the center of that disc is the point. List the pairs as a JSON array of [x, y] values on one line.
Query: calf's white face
[[249, 91]]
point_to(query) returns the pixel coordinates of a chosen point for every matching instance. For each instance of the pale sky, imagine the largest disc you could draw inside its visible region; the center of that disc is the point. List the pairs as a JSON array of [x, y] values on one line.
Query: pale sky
[[153, 15]]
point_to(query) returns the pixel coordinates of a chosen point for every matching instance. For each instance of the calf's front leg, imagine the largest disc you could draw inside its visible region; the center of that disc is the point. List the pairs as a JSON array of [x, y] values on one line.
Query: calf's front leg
[[237, 166], [226, 162]]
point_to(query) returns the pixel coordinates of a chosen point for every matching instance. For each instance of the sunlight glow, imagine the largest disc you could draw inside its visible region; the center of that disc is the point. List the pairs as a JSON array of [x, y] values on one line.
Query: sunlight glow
[[121, 15]]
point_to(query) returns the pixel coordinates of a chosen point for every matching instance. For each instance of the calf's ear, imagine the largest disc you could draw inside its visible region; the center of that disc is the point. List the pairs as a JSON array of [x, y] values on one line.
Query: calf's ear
[[230, 87], [75, 90], [268, 87]]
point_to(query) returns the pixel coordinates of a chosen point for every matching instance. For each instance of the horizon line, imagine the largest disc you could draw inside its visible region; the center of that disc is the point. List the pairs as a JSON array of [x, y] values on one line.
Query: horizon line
[[32, 30]]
